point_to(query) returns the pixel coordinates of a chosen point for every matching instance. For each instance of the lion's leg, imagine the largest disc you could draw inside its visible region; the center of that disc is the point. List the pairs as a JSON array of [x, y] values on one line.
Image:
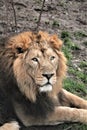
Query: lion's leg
[[71, 100], [68, 114], [10, 126], [62, 114]]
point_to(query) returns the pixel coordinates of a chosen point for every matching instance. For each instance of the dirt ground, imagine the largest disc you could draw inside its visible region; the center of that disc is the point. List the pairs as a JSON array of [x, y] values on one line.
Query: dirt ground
[[58, 16]]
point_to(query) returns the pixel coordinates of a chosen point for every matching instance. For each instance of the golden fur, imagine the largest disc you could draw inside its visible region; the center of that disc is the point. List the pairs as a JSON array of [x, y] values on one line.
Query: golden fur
[[33, 57], [24, 41]]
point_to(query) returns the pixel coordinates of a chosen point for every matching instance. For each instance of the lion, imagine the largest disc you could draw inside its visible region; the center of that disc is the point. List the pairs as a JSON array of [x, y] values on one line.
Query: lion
[[32, 69]]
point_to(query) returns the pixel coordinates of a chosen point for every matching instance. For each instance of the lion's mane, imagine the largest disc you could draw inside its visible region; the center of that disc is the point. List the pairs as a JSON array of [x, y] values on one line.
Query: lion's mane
[[18, 44]]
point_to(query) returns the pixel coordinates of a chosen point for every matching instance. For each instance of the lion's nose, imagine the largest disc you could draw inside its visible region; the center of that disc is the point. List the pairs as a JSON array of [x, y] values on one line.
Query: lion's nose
[[48, 76]]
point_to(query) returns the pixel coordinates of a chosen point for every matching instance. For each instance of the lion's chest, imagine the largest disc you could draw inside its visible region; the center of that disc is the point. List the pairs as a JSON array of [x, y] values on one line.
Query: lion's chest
[[32, 113], [25, 119]]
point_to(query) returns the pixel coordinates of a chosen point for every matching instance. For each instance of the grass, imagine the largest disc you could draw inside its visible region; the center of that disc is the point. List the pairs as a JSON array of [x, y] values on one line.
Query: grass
[[47, 22], [80, 75], [83, 64], [65, 34], [75, 87], [55, 23], [76, 84], [74, 127], [38, 1], [80, 34], [85, 43], [69, 46]]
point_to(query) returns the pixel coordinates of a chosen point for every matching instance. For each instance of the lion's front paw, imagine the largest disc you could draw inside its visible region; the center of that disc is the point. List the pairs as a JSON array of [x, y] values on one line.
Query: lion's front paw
[[10, 126]]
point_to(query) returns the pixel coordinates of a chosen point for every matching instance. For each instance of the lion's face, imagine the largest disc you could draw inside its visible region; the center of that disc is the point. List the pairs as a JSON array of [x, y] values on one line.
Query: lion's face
[[39, 65], [42, 64]]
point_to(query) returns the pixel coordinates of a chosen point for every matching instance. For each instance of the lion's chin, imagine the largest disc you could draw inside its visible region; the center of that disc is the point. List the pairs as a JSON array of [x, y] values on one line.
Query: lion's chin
[[46, 88]]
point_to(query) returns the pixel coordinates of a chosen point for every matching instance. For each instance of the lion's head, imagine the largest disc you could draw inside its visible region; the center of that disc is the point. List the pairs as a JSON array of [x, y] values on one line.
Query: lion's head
[[37, 62]]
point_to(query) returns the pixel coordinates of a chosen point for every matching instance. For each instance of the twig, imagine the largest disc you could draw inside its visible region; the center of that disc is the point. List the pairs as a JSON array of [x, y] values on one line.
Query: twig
[[6, 9], [68, 128], [15, 19], [39, 19]]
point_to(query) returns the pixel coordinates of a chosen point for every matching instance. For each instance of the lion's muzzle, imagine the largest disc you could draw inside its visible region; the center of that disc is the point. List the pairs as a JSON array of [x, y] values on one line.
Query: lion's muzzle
[[49, 83]]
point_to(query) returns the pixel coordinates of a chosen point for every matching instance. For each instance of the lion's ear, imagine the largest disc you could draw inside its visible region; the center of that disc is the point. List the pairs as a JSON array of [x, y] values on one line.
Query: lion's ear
[[55, 42]]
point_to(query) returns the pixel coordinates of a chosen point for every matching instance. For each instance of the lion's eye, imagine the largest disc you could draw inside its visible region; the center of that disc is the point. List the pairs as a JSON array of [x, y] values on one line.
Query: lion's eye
[[19, 50], [35, 59], [52, 58]]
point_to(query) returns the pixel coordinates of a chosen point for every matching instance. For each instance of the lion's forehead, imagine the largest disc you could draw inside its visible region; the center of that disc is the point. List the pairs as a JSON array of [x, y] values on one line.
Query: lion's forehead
[[39, 52]]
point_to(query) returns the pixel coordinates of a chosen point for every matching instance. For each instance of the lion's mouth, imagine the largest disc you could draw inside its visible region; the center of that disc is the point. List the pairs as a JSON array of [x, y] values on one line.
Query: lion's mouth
[[46, 88]]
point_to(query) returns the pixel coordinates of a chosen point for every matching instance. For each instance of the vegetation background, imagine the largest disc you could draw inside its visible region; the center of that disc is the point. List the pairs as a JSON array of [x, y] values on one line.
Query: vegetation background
[[68, 19]]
